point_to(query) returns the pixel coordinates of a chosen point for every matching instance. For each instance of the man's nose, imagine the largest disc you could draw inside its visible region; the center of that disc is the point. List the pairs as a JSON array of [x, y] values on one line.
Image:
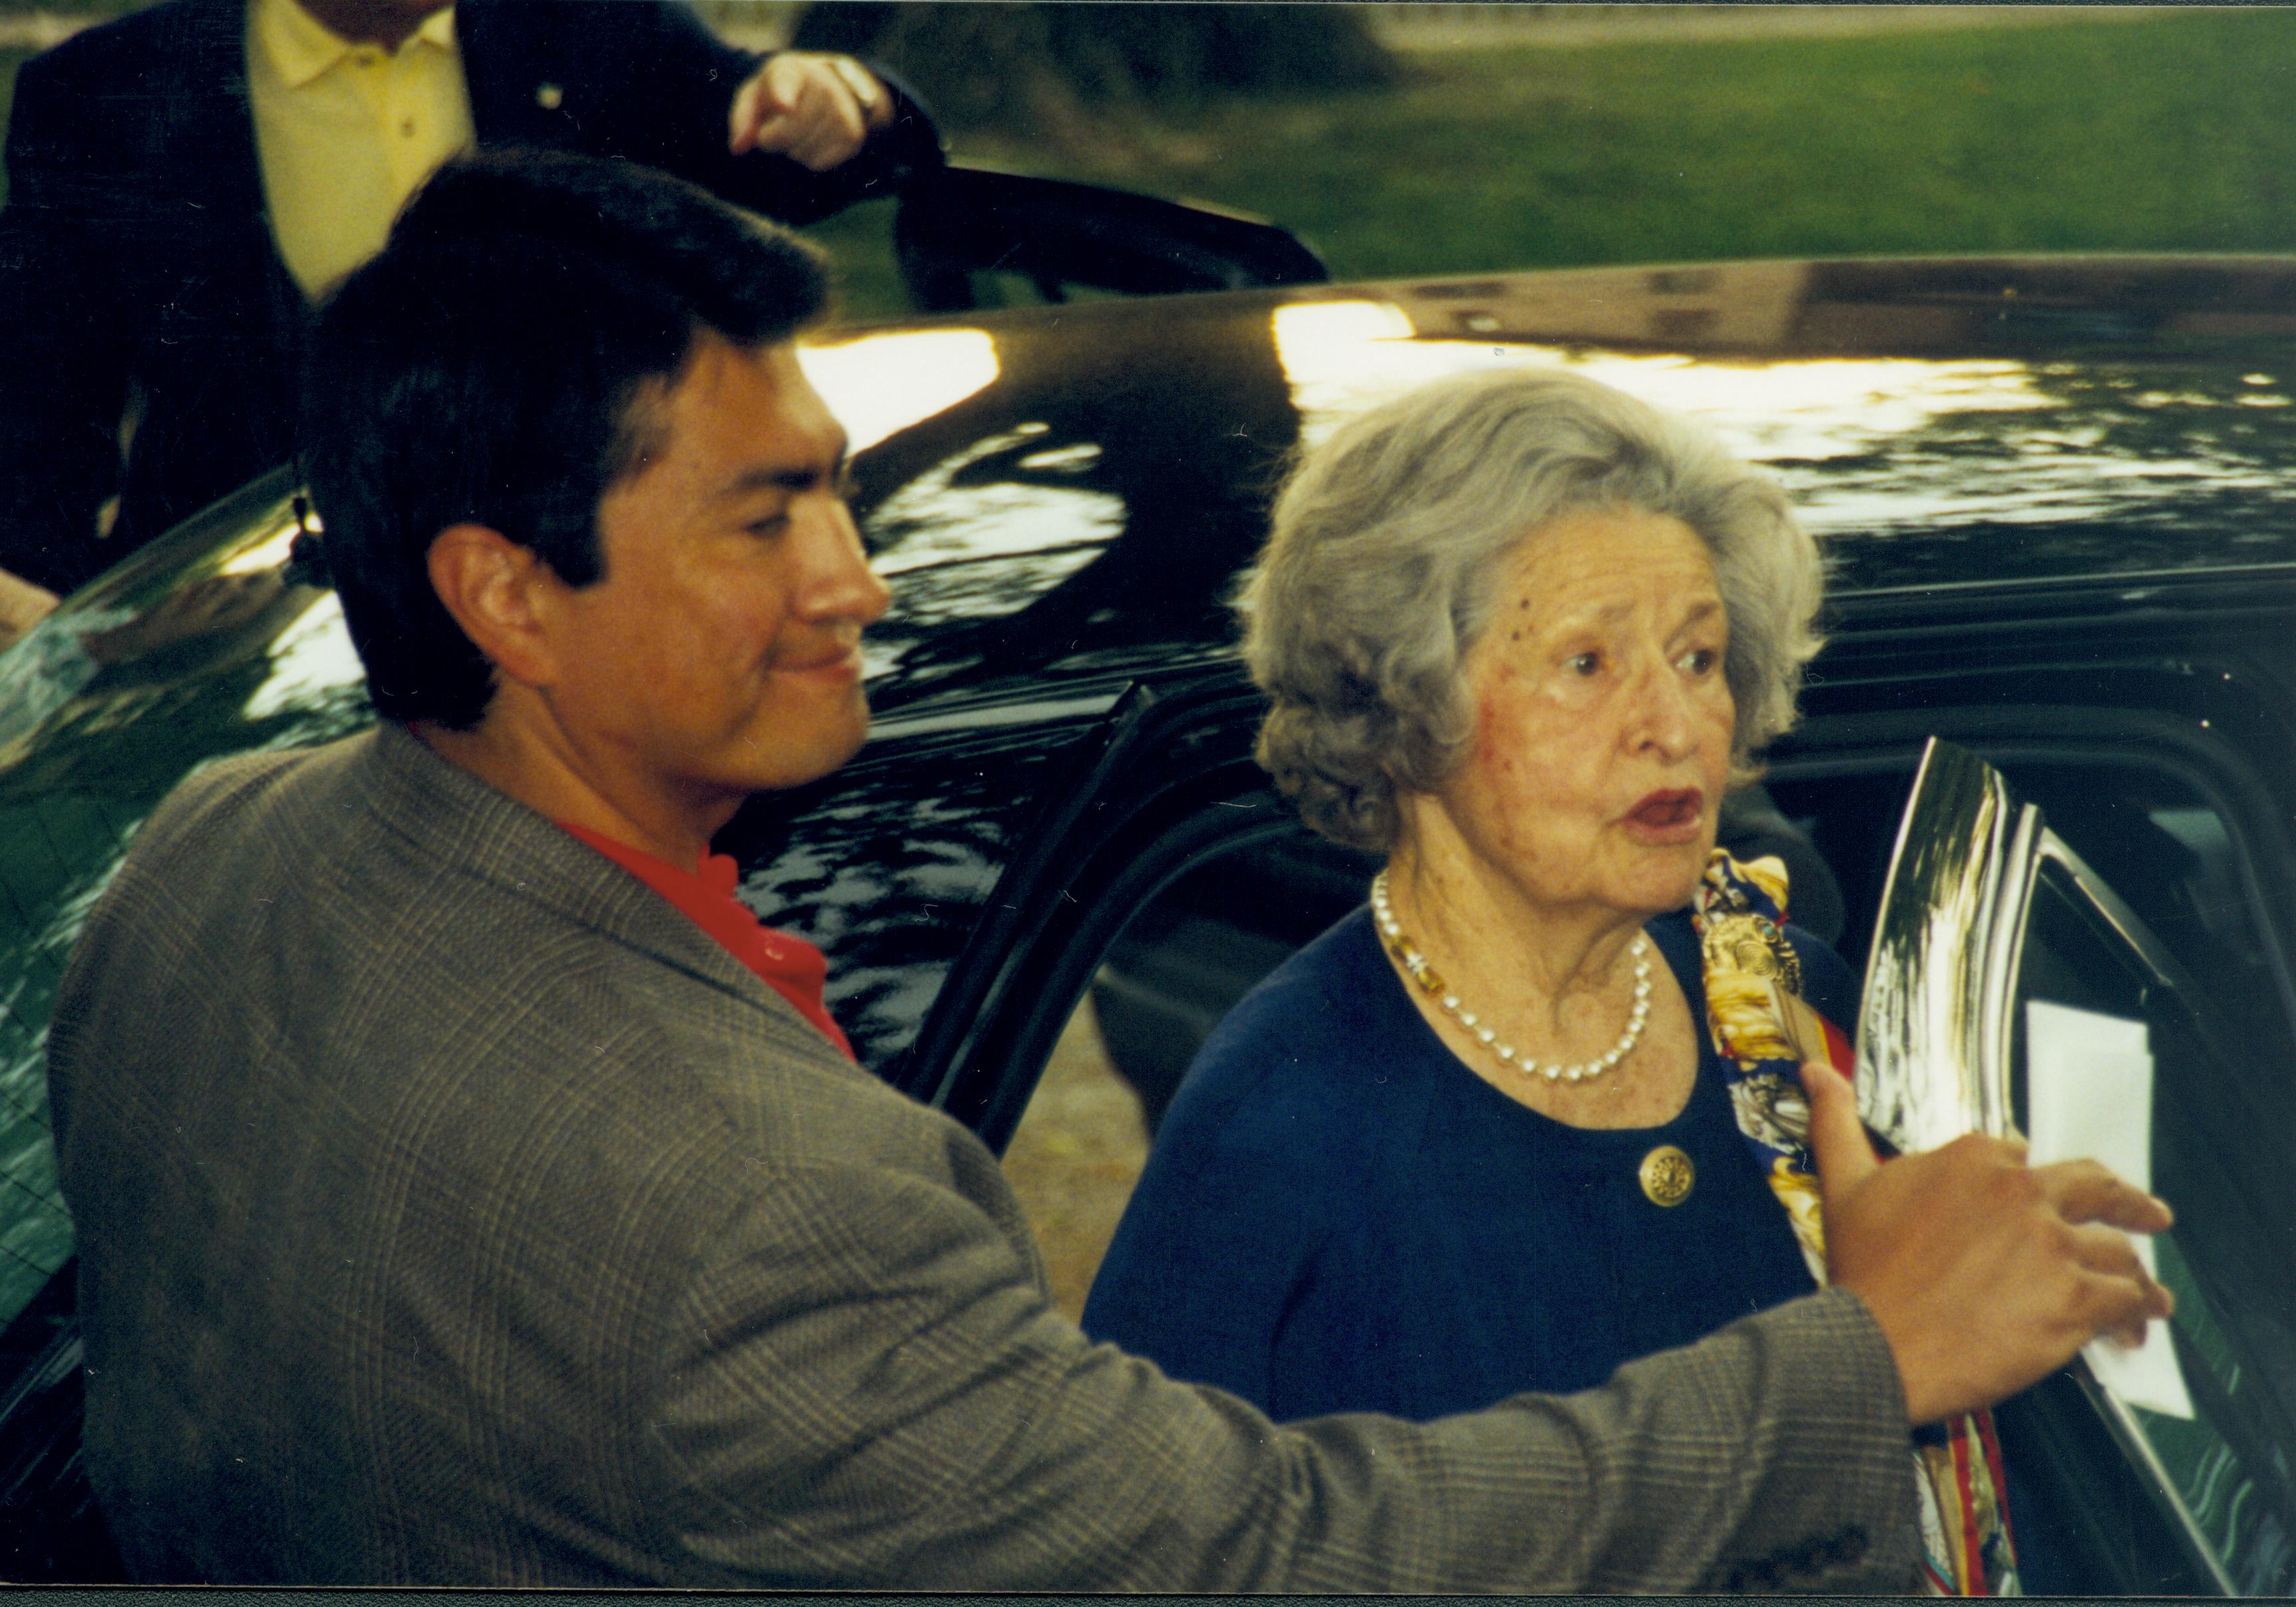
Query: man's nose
[[838, 583]]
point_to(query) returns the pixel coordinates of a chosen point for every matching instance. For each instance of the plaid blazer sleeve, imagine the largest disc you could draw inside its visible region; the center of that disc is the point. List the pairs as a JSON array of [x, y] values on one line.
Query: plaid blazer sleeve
[[950, 1431]]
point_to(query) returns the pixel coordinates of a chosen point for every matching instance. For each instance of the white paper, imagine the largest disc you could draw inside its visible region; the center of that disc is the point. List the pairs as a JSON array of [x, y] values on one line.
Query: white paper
[[2088, 1094]]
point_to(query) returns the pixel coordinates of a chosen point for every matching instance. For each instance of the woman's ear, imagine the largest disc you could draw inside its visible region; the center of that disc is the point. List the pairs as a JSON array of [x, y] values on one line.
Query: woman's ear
[[494, 588]]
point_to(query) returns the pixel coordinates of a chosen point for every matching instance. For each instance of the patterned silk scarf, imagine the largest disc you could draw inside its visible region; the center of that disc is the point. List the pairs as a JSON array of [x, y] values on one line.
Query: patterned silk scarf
[[1764, 1031]]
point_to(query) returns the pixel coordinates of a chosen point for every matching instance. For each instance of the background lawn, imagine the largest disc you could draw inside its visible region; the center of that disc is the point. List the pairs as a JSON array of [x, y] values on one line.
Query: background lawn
[[2165, 130], [2160, 133]]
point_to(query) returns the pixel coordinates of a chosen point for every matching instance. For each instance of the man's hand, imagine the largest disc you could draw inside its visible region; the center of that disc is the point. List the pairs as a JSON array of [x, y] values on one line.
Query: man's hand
[[816, 109], [1983, 1274]]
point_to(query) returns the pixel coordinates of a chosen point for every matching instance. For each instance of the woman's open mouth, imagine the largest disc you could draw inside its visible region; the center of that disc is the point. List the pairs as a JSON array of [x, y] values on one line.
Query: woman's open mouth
[[1675, 815]]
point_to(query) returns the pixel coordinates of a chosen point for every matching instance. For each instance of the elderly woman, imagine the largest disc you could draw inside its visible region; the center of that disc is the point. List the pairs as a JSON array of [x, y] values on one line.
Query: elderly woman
[[1522, 1118]]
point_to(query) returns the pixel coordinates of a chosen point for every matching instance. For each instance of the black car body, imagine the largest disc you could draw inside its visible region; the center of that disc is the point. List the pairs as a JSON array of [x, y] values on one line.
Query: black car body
[[2058, 504]]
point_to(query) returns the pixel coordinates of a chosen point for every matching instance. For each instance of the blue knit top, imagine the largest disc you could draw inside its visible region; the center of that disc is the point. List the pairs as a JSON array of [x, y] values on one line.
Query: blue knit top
[[1339, 1215]]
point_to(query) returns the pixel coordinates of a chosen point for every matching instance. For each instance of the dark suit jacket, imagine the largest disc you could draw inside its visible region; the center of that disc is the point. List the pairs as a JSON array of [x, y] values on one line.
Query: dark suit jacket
[[136, 263], [452, 1211]]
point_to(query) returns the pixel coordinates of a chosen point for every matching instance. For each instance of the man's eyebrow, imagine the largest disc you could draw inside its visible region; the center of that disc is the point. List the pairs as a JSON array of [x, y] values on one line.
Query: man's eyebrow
[[786, 476]]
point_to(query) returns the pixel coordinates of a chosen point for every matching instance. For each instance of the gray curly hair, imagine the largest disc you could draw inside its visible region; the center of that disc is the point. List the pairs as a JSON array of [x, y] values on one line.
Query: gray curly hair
[[1379, 575]]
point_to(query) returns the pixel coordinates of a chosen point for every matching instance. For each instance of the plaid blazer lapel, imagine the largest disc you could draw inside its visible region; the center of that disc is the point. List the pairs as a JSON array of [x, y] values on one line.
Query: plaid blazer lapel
[[453, 815]]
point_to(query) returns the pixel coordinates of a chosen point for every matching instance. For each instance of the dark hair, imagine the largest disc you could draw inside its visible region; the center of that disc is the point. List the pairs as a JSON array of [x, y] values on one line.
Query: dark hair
[[497, 365]]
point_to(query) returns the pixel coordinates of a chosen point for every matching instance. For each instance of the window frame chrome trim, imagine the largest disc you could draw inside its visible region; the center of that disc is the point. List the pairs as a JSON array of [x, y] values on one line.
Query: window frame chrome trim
[[1952, 922]]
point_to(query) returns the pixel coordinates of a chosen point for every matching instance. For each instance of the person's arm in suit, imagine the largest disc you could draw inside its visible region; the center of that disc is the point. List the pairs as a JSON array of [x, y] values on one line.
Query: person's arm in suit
[[649, 82], [64, 346], [949, 1431]]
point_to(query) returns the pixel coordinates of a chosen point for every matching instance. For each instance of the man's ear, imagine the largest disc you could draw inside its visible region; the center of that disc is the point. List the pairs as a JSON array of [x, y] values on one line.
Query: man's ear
[[492, 586]]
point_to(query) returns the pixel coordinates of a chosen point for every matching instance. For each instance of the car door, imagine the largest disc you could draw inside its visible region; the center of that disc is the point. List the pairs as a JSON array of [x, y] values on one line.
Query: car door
[[2012, 990]]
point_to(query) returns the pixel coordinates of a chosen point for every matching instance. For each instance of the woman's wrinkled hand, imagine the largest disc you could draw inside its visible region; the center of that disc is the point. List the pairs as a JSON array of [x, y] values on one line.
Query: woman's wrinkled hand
[[1984, 1274]]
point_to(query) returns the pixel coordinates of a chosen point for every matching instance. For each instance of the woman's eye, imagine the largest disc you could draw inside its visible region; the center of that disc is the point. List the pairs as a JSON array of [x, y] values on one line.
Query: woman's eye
[[1585, 663], [1701, 660]]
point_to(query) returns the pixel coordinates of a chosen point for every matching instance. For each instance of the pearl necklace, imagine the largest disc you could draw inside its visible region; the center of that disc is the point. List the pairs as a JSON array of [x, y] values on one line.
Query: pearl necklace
[[1424, 975]]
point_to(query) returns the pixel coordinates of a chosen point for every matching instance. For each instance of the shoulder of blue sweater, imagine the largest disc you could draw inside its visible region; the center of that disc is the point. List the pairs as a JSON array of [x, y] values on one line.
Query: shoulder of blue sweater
[[1318, 1054]]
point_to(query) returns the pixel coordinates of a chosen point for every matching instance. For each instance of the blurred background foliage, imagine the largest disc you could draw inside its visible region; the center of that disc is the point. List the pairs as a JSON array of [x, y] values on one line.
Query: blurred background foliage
[[1060, 74], [1406, 139]]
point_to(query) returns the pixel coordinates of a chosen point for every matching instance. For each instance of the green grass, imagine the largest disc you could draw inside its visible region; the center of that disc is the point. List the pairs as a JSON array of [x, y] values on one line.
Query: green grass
[[2172, 133], [2175, 133]]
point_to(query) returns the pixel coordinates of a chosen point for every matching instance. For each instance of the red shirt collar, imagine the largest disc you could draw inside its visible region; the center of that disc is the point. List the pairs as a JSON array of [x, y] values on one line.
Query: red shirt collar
[[790, 966]]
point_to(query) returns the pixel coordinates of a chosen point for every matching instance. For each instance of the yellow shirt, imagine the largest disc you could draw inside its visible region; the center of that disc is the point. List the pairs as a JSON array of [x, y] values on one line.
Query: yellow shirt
[[345, 131]]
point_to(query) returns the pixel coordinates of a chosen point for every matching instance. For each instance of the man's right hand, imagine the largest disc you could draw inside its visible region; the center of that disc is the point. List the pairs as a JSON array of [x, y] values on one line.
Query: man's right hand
[[1983, 1274]]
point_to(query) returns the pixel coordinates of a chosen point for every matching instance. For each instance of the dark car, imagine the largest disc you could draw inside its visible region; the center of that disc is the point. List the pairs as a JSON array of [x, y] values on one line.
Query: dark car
[[2059, 498]]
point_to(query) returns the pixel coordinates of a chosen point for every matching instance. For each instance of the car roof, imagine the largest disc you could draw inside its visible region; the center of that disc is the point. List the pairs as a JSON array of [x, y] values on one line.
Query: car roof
[[1063, 497], [1061, 491]]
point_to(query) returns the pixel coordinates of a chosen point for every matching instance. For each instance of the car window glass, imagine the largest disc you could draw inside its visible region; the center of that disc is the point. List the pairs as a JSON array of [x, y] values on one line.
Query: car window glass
[[2221, 1121], [2143, 907]]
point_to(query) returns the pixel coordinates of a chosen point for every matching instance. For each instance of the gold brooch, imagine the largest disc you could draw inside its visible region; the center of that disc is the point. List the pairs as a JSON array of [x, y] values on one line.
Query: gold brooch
[[1667, 1175]]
